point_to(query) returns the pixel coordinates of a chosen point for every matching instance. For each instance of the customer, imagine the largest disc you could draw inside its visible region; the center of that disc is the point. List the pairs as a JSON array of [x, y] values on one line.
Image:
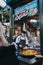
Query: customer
[[7, 51]]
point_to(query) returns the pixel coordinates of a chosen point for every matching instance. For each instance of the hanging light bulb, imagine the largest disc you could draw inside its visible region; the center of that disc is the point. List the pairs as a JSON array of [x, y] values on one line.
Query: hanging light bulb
[[2, 3], [5, 0]]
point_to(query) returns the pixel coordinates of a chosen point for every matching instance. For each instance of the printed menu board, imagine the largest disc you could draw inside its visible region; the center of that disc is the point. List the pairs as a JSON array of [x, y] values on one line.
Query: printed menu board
[[29, 9]]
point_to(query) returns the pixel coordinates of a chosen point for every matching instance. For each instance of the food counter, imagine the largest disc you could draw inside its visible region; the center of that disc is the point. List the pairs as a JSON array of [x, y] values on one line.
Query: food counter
[[29, 60]]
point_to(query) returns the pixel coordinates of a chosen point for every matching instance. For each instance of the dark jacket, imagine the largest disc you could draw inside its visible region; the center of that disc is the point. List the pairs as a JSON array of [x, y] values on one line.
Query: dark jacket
[[8, 56]]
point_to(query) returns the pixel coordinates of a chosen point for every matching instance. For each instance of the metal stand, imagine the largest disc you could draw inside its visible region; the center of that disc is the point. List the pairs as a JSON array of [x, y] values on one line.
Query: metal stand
[[41, 26], [11, 25]]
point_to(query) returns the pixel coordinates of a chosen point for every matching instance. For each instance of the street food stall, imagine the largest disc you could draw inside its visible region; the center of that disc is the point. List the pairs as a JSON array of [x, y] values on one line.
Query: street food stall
[[27, 56]]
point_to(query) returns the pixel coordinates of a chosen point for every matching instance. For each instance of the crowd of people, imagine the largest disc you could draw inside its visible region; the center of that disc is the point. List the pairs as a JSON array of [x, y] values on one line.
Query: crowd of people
[[30, 37]]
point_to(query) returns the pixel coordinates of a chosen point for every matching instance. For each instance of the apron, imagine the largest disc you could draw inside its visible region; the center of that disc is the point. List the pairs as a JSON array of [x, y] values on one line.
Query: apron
[[22, 42], [14, 40]]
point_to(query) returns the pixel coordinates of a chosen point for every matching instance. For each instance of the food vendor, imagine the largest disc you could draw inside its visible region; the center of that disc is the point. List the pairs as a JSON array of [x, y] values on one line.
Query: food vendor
[[22, 40]]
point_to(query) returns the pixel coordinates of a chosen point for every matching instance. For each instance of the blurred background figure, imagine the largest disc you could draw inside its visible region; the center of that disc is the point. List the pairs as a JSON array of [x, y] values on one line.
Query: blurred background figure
[[17, 32], [3, 41]]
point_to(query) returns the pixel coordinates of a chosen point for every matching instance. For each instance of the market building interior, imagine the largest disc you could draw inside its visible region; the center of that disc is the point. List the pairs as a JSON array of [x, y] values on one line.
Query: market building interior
[[22, 22]]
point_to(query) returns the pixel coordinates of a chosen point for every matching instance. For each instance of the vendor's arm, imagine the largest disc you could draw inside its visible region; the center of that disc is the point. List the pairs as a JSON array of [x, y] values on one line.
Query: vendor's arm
[[27, 41], [17, 39]]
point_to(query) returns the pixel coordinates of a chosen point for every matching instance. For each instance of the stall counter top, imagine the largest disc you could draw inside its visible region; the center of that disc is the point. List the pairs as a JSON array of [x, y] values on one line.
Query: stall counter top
[[26, 60]]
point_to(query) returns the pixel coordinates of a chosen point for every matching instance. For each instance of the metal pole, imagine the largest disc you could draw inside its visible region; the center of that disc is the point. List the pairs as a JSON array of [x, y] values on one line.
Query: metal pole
[[41, 26], [11, 25], [2, 16], [1, 12]]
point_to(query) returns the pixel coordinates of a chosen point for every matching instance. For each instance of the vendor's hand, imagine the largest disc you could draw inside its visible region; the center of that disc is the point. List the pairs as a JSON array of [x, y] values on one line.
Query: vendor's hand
[[20, 45], [26, 47]]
